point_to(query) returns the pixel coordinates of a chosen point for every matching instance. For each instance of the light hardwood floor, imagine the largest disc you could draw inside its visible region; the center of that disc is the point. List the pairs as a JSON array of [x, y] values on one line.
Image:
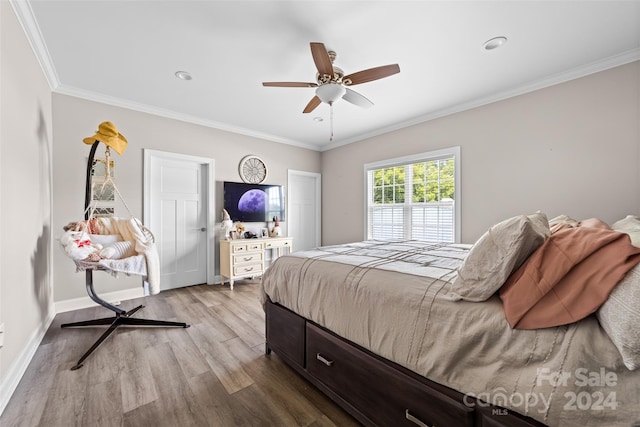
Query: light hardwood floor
[[214, 373]]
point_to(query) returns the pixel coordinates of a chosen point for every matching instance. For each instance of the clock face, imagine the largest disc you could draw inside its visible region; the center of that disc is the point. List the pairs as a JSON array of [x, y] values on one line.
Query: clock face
[[252, 170]]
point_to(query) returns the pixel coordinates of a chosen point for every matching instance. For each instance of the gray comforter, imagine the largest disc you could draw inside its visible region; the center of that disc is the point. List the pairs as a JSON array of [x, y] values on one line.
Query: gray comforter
[[391, 299]]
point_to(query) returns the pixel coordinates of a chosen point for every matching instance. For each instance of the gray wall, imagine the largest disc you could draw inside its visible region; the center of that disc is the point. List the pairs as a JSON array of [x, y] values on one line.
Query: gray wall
[[75, 119], [25, 201], [573, 148]]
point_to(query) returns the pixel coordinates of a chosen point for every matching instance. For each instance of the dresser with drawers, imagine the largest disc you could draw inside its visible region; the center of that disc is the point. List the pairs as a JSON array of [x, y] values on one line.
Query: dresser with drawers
[[246, 257]]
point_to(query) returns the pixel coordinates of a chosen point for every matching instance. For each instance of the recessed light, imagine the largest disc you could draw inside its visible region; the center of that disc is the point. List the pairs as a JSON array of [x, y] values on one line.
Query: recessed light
[[494, 43], [318, 119], [183, 75]]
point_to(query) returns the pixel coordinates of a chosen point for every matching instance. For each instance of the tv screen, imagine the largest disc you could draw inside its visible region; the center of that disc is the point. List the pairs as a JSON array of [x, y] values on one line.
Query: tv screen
[[253, 202]]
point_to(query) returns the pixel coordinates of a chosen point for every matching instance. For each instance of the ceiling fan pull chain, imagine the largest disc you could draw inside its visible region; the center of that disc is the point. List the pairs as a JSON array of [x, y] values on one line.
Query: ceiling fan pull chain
[[331, 120]]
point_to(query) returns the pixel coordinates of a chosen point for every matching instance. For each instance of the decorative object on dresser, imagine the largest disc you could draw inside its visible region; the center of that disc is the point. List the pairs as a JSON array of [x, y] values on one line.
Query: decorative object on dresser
[[252, 169], [246, 257], [226, 224], [275, 231]]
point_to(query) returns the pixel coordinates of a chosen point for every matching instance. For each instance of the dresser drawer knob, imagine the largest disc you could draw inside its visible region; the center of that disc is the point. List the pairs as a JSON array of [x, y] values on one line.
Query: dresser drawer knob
[[323, 360], [413, 419]]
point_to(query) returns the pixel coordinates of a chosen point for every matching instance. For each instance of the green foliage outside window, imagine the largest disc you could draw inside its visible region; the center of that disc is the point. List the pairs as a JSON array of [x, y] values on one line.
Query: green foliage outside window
[[431, 181]]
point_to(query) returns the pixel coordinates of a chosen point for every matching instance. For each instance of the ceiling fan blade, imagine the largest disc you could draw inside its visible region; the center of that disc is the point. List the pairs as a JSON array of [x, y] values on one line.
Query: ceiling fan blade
[[315, 101], [356, 99], [321, 59], [289, 84], [370, 74]]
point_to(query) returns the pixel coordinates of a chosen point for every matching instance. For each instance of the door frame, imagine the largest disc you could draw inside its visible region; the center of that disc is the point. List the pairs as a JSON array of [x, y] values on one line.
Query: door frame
[[209, 165], [318, 183]]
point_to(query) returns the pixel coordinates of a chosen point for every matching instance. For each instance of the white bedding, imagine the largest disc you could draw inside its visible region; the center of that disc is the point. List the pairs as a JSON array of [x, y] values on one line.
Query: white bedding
[[389, 297]]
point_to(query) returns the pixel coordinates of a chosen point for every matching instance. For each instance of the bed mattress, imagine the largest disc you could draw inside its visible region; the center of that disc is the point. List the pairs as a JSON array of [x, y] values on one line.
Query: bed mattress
[[391, 298]]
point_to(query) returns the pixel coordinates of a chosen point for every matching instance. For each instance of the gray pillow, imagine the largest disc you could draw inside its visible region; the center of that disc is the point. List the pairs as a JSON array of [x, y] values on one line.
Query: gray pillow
[[619, 316], [630, 225], [499, 252]]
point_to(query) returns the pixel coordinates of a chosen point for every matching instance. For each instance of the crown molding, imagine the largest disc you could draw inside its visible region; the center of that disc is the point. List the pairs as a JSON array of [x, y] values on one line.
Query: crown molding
[[149, 109], [27, 20], [575, 73], [24, 13]]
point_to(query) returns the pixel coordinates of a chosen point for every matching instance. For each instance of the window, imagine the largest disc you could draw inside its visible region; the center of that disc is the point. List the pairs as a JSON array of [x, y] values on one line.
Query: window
[[414, 197]]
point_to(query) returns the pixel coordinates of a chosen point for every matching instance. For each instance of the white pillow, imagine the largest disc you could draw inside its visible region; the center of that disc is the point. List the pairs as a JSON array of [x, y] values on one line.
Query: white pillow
[[500, 251], [105, 239], [561, 221], [619, 316], [119, 250], [630, 225]]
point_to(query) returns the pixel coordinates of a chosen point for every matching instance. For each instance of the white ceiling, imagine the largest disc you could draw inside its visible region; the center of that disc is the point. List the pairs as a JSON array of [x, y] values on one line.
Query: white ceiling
[[126, 53]]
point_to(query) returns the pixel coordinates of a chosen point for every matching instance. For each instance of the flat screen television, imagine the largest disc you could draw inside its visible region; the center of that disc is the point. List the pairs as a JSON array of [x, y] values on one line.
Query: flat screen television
[[253, 202]]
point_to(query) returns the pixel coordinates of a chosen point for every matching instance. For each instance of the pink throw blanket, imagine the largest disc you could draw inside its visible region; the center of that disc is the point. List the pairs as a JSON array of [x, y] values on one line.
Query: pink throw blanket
[[569, 277]]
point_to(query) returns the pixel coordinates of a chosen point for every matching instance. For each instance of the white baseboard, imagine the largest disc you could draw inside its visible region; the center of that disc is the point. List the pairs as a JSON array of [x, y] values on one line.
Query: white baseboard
[[19, 366], [86, 302]]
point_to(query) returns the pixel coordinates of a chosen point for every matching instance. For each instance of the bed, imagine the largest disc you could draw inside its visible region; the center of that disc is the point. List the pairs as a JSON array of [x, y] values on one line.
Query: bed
[[382, 329]]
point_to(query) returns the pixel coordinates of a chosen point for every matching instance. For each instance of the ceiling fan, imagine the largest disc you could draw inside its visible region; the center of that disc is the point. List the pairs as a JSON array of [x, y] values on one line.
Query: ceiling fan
[[332, 84]]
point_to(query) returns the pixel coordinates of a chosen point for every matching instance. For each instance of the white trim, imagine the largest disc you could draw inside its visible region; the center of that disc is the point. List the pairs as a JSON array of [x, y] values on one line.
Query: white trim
[[575, 73], [27, 20], [210, 211], [318, 201], [21, 363], [413, 158], [86, 302], [162, 112]]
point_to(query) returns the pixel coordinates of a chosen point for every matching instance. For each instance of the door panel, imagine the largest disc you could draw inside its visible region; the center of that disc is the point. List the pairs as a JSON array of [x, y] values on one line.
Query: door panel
[[304, 209], [178, 200]]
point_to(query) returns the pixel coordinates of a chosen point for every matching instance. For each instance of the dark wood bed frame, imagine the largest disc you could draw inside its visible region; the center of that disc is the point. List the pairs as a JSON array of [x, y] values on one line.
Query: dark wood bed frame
[[375, 391]]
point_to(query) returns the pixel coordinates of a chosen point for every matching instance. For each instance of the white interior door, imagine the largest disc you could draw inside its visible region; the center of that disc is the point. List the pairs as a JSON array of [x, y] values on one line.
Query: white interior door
[[178, 213], [304, 207]]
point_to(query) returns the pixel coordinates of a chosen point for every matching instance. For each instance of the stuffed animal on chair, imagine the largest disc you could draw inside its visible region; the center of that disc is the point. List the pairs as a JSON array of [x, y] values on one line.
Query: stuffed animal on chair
[[78, 245]]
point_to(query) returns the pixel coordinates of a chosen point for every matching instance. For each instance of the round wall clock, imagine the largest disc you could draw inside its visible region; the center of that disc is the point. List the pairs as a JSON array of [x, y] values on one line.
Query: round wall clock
[[252, 169]]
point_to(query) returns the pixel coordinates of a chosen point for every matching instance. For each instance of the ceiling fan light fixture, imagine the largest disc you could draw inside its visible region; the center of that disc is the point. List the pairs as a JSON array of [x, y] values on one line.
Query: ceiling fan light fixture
[[494, 43], [330, 92]]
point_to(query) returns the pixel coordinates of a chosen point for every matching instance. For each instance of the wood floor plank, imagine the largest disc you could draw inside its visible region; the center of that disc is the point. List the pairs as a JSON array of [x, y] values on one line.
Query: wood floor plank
[[277, 383], [179, 406], [103, 404], [66, 402], [187, 353], [137, 387], [214, 373], [26, 407], [213, 399], [246, 332], [223, 364]]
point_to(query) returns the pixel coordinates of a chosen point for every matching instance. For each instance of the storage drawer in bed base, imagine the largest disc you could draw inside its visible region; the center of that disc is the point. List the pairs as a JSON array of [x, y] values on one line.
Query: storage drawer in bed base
[[375, 391]]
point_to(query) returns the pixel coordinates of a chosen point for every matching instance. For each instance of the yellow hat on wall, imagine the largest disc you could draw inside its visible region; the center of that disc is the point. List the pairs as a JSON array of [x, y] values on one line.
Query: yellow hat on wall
[[108, 133]]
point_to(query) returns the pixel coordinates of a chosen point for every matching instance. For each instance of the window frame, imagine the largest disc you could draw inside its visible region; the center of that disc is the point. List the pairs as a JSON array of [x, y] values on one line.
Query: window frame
[[416, 158]]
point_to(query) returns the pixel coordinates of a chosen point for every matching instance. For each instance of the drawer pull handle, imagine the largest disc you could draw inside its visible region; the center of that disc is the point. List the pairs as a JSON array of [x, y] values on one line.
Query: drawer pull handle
[[413, 419], [248, 258], [248, 268], [323, 360]]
